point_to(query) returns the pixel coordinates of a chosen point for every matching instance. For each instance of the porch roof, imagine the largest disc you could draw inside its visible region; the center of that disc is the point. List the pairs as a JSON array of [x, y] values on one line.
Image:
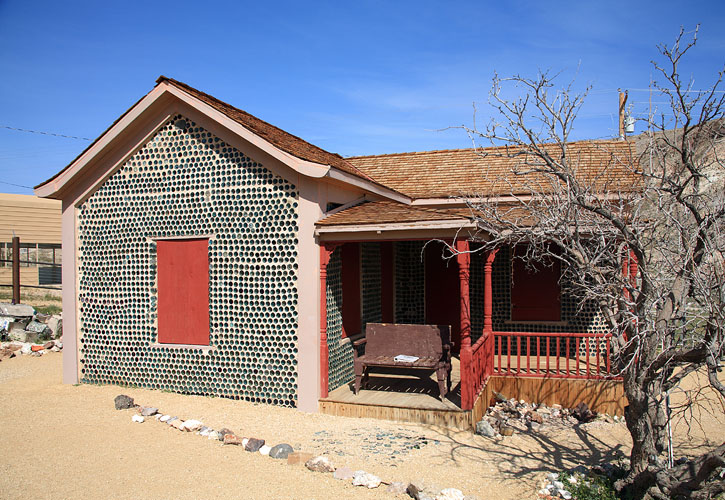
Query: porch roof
[[379, 216]]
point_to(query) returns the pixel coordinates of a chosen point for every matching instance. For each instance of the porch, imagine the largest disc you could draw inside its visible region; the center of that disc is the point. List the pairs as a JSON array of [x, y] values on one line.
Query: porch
[[527, 341]]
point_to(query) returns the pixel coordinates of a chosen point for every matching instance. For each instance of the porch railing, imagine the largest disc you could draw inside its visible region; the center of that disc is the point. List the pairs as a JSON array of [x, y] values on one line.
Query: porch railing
[[476, 370], [554, 355]]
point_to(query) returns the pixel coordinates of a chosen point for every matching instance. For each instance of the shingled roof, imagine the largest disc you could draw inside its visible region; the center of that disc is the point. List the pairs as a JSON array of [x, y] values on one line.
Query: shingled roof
[[389, 212], [489, 171]]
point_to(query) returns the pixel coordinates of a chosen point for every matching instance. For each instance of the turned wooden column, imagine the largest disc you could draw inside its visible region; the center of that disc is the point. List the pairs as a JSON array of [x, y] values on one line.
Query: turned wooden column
[[326, 250], [488, 291], [463, 257]]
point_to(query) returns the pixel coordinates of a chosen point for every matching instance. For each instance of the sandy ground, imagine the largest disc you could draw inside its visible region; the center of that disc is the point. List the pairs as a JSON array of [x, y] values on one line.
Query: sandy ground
[[61, 441]]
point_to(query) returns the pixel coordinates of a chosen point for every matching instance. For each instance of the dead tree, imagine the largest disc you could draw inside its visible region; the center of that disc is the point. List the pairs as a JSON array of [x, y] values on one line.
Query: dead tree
[[663, 210]]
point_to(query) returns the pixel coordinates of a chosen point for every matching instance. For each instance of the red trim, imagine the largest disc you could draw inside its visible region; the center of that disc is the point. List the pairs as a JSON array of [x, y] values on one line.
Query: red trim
[[183, 291], [326, 250], [351, 305], [387, 281], [442, 290]]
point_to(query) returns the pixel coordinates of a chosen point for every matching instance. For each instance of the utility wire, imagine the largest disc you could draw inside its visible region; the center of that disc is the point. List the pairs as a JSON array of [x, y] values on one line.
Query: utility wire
[[16, 185], [46, 133]]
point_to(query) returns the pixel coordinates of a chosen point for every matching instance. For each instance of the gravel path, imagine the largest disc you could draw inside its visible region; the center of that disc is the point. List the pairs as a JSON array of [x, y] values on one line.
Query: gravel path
[[62, 441]]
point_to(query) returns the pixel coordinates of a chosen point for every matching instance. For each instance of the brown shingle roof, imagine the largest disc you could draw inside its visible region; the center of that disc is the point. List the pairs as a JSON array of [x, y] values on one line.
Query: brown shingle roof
[[489, 171], [283, 140], [386, 212]]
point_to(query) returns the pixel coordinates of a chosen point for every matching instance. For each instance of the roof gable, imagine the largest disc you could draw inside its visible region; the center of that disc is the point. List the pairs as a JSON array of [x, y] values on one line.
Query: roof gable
[[292, 151]]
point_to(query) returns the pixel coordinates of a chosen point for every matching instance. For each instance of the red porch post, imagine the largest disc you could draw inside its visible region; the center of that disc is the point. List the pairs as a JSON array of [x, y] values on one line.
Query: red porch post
[[488, 291], [464, 266], [326, 250], [633, 269], [488, 308]]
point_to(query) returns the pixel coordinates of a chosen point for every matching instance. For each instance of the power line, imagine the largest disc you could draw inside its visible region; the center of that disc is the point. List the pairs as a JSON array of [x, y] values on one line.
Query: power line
[[46, 133], [16, 185]]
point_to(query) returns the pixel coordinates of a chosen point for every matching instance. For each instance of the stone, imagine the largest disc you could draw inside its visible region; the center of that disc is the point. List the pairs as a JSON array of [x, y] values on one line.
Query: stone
[[483, 428], [123, 402], [499, 397], [224, 431], [583, 414], [534, 416], [138, 418], [14, 346], [253, 444], [218, 436], [148, 411], [38, 327], [264, 450], [450, 494], [320, 464], [16, 310], [420, 490], [343, 473], [507, 430], [396, 488], [6, 354], [191, 425], [177, 424], [362, 478], [49, 345], [164, 418], [55, 324], [298, 457], [23, 336], [280, 451], [245, 441], [26, 349], [231, 439]]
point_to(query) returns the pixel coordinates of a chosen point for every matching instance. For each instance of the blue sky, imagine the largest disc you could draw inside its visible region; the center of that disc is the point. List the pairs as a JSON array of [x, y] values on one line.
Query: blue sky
[[363, 77]]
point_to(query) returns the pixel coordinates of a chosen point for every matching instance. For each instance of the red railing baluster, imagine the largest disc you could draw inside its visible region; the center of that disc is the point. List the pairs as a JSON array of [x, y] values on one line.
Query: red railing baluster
[[598, 347], [577, 356], [548, 357], [588, 354], [558, 356], [528, 355], [508, 353]]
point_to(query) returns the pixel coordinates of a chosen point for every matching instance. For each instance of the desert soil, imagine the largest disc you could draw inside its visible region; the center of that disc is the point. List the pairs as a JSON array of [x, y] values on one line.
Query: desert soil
[[62, 441]]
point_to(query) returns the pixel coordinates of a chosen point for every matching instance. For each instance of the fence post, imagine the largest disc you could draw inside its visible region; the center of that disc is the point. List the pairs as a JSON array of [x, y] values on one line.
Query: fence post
[[16, 270]]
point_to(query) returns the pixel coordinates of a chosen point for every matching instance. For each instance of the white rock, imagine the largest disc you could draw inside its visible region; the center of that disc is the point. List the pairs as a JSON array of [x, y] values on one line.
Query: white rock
[[450, 494], [362, 478], [164, 418], [245, 441], [572, 479], [138, 418], [552, 476], [25, 349], [264, 450], [558, 485], [564, 494], [191, 425]]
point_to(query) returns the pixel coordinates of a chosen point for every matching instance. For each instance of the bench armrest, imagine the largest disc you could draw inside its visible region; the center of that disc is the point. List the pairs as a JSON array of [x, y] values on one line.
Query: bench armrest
[[359, 342]]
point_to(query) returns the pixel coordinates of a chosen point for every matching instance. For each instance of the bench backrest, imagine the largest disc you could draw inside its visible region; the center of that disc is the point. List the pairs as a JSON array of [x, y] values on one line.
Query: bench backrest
[[386, 339]]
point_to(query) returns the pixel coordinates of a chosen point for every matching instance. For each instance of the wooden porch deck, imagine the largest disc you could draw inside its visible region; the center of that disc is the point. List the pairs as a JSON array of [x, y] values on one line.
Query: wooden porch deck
[[409, 397]]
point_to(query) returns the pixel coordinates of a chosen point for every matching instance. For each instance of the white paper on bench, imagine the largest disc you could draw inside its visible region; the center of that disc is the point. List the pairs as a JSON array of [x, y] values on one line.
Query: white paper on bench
[[405, 358]]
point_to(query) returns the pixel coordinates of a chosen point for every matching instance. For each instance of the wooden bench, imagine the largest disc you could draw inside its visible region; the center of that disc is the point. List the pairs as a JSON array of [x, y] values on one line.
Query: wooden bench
[[383, 342]]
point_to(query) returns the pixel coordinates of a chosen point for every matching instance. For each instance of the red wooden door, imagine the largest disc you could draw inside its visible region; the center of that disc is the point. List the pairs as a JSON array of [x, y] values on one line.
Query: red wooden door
[[442, 291], [183, 291]]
